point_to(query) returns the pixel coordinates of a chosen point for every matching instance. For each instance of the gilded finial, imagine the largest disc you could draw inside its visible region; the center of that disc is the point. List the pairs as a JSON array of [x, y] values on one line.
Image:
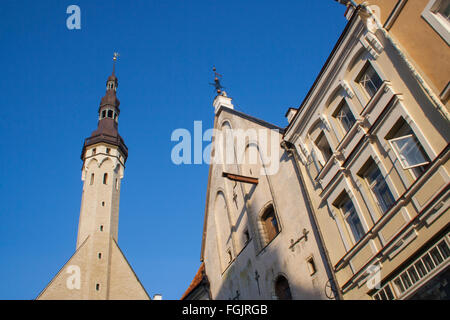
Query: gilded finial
[[115, 56]]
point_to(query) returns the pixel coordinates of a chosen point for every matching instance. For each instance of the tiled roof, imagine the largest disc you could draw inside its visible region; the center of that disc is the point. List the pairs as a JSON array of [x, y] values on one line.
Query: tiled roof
[[195, 282]]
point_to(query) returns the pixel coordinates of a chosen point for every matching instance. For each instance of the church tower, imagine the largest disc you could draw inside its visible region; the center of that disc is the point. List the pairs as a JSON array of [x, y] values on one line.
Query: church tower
[[104, 155], [98, 269]]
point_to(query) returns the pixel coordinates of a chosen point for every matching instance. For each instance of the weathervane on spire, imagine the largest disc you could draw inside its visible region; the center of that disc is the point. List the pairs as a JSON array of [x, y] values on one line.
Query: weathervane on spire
[[216, 83], [114, 60]]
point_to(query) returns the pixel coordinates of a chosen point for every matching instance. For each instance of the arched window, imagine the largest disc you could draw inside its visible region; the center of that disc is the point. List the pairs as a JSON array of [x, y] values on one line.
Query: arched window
[[324, 148], [105, 178], [282, 289], [270, 223], [110, 113], [92, 179], [103, 114]]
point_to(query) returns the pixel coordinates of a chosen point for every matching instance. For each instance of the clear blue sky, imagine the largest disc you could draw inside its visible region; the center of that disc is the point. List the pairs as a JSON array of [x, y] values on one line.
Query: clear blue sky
[[51, 83]]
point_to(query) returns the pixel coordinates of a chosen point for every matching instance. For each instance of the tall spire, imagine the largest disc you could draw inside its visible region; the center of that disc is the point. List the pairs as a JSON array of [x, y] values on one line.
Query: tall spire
[[108, 116], [114, 62]]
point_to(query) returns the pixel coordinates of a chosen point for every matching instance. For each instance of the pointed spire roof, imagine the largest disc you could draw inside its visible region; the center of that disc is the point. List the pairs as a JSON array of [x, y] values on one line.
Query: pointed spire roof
[[107, 128]]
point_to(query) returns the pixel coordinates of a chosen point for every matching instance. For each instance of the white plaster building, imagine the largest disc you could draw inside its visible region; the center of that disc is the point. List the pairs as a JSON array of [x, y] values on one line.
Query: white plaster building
[[259, 241]]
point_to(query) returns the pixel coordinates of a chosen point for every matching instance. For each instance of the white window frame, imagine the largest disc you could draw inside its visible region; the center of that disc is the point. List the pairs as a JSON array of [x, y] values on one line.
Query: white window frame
[[360, 93], [400, 157], [362, 73], [343, 102], [436, 21]]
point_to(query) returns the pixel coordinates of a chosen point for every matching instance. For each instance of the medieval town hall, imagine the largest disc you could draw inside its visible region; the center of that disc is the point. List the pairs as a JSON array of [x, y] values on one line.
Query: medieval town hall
[[352, 202]]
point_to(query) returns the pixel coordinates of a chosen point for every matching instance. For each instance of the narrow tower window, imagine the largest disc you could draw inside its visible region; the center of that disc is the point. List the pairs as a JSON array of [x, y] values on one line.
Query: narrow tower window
[[110, 113], [108, 150], [92, 179], [105, 178], [101, 228], [97, 287], [103, 114], [99, 255]]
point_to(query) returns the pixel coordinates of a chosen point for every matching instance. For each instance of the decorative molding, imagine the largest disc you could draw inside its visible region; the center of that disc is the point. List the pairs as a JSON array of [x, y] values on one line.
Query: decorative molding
[[347, 88]]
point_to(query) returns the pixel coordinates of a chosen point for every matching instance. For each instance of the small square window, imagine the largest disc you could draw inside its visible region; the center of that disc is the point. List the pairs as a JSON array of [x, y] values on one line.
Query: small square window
[[311, 266]]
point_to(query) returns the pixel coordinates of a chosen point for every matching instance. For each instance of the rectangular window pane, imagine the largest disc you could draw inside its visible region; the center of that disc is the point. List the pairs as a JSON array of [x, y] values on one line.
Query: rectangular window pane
[[379, 188], [444, 249], [370, 81], [409, 151], [345, 117], [399, 285], [354, 221], [324, 147], [389, 293], [420, 268], [436, 256], [413, 275], [444, 9], [383, 295], [405, 279], [428, 262]]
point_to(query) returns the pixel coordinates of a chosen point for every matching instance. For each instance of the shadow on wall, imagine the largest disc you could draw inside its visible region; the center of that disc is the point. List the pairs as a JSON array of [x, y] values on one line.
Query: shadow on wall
[[261, 271]]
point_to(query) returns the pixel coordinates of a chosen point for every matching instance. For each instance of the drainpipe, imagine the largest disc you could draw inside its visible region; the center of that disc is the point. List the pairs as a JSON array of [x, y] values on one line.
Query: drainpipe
[[290, 149], [435, 99]]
